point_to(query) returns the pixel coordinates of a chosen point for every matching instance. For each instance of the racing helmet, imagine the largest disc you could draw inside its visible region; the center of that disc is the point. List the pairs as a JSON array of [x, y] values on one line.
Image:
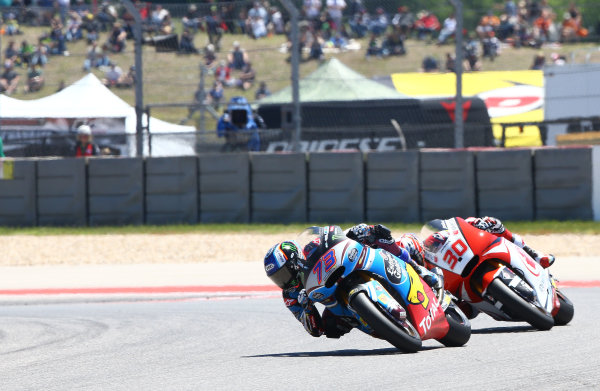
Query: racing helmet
[[281, 263], [434, 243], [414, 246]]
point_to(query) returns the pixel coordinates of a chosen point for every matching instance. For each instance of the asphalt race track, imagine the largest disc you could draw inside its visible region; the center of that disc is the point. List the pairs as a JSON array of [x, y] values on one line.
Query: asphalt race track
[[256, 344]]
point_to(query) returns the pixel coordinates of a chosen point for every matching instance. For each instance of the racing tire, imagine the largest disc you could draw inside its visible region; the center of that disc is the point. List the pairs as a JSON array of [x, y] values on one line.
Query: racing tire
[[382, 325], [518, 308], [565, 312], [459, 332]]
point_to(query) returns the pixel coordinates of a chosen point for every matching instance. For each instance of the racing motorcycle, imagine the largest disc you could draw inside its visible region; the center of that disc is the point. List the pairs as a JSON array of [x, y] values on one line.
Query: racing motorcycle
[[494, 275], [384, 295]]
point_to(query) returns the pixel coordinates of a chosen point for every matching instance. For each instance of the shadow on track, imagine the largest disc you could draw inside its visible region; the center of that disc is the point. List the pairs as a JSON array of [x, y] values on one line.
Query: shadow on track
[[500, 330], [343, 353]]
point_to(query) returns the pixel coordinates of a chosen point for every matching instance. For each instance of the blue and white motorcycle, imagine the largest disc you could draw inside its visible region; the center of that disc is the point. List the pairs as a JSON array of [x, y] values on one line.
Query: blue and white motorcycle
[[384, 293]]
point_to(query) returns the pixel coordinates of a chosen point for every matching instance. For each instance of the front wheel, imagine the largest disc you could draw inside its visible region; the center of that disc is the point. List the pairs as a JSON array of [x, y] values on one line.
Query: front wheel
[[566, 310], [382, 325], [517, 307], [460, 327]]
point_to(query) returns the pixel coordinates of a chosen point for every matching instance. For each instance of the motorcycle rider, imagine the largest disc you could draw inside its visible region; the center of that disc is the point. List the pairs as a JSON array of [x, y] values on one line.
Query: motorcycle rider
[[283, 263]]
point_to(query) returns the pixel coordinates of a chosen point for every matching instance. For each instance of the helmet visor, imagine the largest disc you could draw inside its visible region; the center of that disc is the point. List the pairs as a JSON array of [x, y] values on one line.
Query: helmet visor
[[282, 276]]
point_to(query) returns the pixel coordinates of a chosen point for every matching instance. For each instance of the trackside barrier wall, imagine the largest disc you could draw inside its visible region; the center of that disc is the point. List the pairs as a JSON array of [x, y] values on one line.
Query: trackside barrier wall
[[505, 184], [392, 186], [18, 194], [172, 190], [335, 187], [116, 191], [563, 184], [447, 184], [278, 188], [224, 188], [61, 192]]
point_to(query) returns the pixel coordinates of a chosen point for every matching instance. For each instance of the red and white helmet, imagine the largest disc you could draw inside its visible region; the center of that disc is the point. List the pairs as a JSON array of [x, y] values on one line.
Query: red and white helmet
[[414, 246]]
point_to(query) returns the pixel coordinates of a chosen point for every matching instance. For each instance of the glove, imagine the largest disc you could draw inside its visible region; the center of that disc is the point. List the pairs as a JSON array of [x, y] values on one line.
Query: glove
[[303, 299], [489, 224], [361, 233], [382, 234]]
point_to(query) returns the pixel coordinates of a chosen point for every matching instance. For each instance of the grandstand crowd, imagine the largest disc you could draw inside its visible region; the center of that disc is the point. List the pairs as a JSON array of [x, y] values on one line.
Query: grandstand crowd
[[107, 29]]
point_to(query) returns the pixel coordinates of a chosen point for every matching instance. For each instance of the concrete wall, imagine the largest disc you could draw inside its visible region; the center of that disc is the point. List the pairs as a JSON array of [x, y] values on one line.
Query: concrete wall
[[278, 188], [18, 194], [563, 184], [335, 187], [447, 184], [224, 188], [61, 192], [172, 190], [116, 191], [505, 184], [546, 183], [392, 186]]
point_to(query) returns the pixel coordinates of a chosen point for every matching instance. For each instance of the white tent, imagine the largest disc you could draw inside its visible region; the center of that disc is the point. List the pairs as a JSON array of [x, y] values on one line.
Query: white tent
[[89, 98]]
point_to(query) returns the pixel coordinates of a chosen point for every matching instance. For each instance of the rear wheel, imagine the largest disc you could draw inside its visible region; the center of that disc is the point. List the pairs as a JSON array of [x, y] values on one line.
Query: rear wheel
[[382, 325], [460, 327], [566, 310], [518, 308]]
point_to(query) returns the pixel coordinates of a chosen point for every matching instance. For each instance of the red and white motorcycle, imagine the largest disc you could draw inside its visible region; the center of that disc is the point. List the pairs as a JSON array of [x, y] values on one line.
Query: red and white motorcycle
[[494, 275]]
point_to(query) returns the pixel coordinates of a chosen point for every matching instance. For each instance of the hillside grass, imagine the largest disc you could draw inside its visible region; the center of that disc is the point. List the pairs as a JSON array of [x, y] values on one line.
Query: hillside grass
[[172, 78], [528, 227]]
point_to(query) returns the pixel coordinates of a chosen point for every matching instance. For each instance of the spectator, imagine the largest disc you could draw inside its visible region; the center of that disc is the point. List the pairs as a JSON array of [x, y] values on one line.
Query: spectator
[[378, 25], [35, 79], [112, 76], [472, 54], [11, 25], [216, 94], [116, 39], [237, 58], [11, 53], [430, 64], [542, 27], [90, 25], [9, 79], [450, 63], [186, 43], [25, 53], [191, 19], [96, 57], [359, 24], [210, 58], [448, 29], [394, 43], [246, 78], [74, 30], [539, 60], [316, 47], [107, 16], [510, 9], [57, 39], [427, 24], [373, 48], [214, 28], [127, 80], [2, 148], [491, 46], [277, 24], [84, 145], [571, 27], [558, 59], [312, 9], [63, 9], [405, 20], [166, 26], [223, 74], [40, 55], [335, 9], [257, 26], [487, 25], [262, 91], [158, 15]]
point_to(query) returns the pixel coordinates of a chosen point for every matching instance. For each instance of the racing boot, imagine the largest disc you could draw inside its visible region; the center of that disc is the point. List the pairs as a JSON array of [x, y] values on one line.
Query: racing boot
[[545, 260]]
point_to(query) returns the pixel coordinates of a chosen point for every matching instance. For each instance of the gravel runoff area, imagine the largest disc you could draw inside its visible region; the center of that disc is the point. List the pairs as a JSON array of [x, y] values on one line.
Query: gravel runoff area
[[29, 250]]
